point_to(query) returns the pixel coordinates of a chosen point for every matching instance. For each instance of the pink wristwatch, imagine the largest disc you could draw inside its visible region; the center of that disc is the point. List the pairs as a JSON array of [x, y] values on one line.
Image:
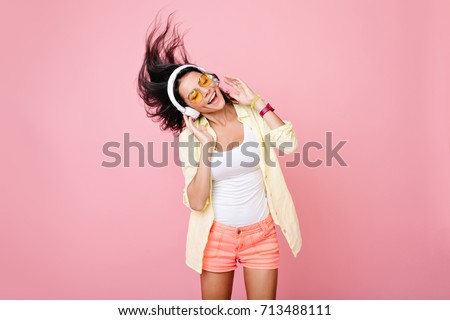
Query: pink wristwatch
[[268, 107]]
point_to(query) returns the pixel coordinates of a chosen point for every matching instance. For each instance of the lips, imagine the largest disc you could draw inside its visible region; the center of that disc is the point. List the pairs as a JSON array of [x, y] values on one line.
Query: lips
[[213, 96]]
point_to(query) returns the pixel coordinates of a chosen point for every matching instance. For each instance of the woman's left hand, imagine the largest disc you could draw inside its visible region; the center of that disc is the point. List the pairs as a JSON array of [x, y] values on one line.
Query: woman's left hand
[[244, 94]]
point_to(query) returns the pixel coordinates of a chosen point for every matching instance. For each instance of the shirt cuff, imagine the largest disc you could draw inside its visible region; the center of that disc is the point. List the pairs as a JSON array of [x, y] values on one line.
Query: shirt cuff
[[276, 133], [284, 137], [186, 200]]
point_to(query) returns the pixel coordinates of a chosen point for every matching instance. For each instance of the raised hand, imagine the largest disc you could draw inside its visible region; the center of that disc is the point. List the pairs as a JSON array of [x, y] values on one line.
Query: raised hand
[[243, 94], [200, 133]]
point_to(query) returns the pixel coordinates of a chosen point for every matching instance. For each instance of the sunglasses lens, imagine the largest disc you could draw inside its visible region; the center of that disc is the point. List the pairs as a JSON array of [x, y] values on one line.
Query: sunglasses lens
[[195, 96], [205, 80]]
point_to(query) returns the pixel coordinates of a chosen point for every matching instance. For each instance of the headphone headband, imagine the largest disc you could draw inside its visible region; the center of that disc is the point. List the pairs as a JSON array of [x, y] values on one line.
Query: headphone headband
[[170, 84]]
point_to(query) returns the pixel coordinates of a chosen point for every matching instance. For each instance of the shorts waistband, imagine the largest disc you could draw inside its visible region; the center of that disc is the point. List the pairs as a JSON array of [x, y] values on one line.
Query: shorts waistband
[[245, 230]]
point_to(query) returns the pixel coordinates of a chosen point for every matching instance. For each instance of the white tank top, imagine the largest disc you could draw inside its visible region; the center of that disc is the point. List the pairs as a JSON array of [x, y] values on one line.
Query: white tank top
[[238, 190]]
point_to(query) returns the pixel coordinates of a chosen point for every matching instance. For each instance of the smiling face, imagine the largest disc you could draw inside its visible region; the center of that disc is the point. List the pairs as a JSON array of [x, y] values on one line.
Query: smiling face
[[200, 92]]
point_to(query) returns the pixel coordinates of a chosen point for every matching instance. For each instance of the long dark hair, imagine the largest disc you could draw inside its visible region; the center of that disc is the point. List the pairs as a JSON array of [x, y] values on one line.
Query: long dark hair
[[160, 61]]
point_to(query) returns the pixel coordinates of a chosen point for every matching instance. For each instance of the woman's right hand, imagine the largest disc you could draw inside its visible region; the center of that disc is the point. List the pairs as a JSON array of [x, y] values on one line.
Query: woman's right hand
[[201, 133]]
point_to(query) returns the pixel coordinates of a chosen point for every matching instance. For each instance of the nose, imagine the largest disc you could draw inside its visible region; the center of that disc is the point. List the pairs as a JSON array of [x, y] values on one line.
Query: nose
[[206, 92]]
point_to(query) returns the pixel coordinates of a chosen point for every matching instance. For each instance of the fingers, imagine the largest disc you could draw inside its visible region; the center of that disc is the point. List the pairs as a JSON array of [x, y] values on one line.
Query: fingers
[[190, 124], [188, 121], [235, 82], [232, 79], [237, 89], [232, 84]]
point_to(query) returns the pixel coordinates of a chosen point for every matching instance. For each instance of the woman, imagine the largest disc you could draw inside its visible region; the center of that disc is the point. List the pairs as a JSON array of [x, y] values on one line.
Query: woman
[[234, 185]]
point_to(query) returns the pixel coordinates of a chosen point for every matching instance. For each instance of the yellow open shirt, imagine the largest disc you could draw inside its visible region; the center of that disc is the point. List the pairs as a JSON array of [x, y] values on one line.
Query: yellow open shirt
[[279, 198]]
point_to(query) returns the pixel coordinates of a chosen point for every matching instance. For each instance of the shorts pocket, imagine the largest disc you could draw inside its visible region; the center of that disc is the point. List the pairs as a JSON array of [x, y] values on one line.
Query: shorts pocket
[[213, 245], [265, 241]]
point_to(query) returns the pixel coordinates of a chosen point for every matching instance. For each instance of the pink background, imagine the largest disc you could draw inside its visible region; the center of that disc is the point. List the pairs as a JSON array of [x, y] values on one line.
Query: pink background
[[375, 73]]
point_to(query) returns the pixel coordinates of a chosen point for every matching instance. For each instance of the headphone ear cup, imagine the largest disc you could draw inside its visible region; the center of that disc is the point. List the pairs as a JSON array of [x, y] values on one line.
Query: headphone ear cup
[[216, 79], [191, 112]]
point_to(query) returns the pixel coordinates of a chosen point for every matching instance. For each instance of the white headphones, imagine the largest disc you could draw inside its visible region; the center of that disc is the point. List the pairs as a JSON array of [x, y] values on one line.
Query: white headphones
[[170, 83]]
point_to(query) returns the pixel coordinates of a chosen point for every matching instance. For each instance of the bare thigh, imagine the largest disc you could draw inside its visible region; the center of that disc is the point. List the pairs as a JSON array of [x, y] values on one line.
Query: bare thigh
[[216, 285], [261, 284]]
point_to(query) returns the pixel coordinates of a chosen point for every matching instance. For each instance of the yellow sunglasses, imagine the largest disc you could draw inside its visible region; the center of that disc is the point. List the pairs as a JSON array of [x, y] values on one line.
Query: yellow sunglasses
[[205, 80]]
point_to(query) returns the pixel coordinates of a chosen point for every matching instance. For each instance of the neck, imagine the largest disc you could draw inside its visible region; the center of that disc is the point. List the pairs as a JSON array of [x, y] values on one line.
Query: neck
[[222, 117]]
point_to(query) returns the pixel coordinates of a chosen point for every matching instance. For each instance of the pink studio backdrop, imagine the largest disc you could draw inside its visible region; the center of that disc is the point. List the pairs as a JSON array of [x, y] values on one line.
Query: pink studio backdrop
[[374, 73]]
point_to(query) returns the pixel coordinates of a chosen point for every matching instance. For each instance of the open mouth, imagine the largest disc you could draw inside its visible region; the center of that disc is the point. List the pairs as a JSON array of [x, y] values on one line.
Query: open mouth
[[213, 98]]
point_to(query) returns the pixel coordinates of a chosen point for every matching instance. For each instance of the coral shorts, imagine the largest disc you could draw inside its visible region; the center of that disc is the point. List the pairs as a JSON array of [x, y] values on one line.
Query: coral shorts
[[254, 246]]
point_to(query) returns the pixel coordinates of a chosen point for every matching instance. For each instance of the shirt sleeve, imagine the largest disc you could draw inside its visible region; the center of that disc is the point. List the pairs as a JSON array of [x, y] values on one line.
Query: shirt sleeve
[[188, 166], [283, 138]]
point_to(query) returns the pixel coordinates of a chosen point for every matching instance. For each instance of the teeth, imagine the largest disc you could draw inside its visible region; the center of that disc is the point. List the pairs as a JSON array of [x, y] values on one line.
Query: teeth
[[212, 98]]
